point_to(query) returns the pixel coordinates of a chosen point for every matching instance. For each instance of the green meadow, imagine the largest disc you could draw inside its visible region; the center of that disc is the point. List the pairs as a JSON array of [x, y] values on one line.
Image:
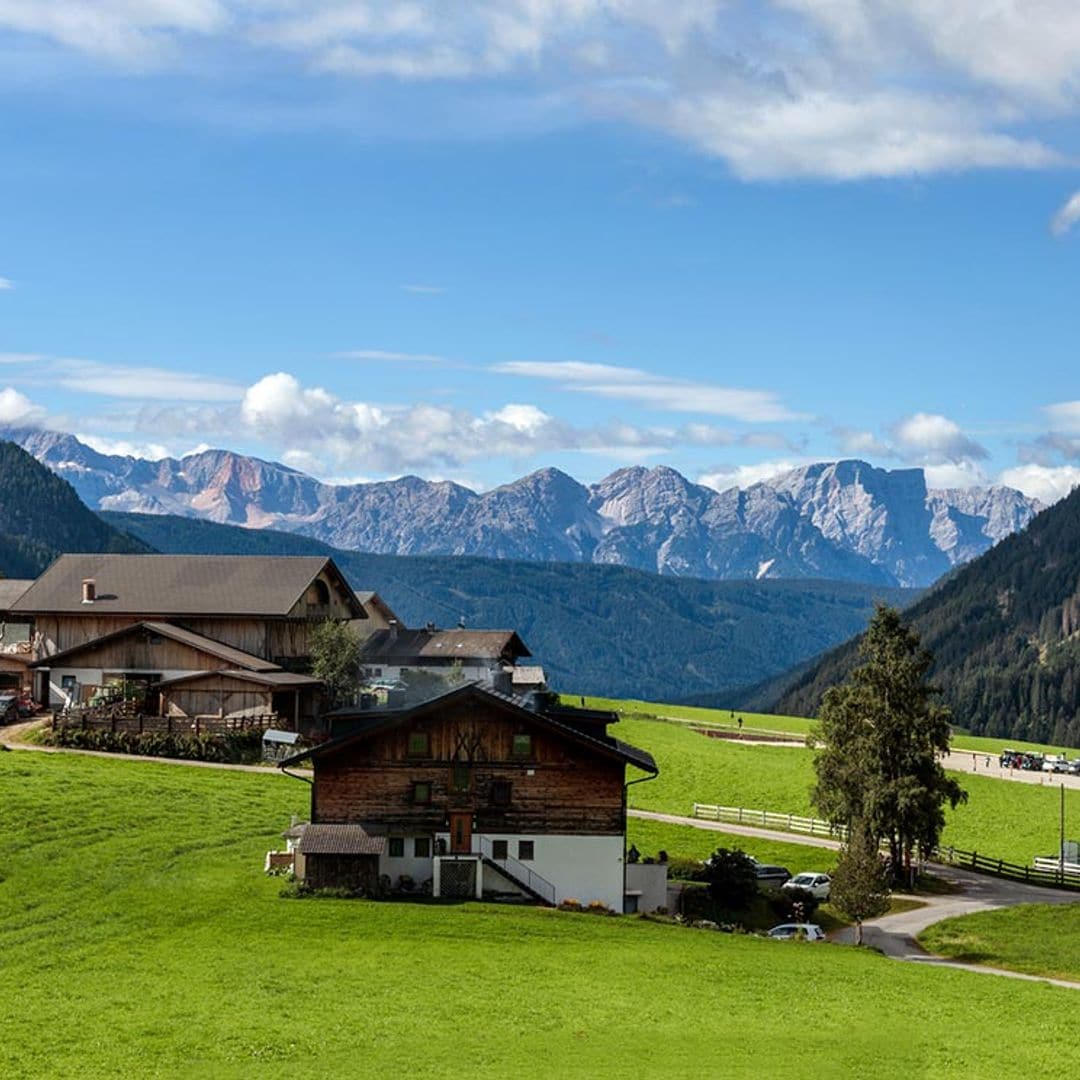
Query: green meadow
[[1038, 939], [1001, 819], [139, 937]]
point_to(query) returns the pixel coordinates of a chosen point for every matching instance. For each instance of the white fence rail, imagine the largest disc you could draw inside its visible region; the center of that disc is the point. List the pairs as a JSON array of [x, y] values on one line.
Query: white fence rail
[[1054, 866], [766, 819]]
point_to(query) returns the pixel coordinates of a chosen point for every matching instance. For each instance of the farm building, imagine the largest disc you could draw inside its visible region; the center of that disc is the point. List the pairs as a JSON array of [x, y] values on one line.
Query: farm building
[[186, 634], [478, 793]]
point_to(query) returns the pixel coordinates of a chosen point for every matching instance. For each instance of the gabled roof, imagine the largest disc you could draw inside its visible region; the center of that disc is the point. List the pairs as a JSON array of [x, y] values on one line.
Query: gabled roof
[[275, 680], [390, 646], [260, 585], [373, 600], [384, 719], [235, 658], [11, 589]]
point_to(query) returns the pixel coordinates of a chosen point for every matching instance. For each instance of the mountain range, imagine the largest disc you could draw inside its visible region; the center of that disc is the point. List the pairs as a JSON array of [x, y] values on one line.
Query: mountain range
[[846, 521], [1005, 634]]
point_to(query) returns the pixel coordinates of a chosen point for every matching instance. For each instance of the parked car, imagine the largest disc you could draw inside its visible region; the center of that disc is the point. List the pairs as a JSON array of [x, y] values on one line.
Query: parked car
[[9, 708], [807, 931], [817, 884], [1074, 766], [770, 876]]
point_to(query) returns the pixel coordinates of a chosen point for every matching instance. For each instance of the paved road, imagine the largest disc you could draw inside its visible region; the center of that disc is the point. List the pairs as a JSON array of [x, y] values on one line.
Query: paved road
[[894, 935], [966, 761]]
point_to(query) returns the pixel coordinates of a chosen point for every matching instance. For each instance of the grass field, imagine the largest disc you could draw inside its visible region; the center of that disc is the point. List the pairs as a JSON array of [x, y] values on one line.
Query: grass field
[[139, 938], [1004, 820], [1035, 938], [796, 726]]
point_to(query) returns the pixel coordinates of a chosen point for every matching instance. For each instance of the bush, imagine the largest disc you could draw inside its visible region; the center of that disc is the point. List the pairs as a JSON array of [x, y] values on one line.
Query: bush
[[695, 902], [794, 905], [233, 747], [684, 869], [731, 879]]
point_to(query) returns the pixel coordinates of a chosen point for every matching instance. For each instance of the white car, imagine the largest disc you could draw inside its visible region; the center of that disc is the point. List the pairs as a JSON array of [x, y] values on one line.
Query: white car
[[818, 884], [808, 931]]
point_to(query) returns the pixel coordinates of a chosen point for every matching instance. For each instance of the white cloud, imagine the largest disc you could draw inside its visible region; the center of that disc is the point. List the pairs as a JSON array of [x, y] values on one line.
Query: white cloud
[[656, 391], [744, 476], [6, 284], [840, 89], [18, 410], [1067, 216], [855, 443], [932, 439], [145, 383], [382, 354], [1048, 484], [1065, 416], [20, 358], [123, 447], [954, 474]]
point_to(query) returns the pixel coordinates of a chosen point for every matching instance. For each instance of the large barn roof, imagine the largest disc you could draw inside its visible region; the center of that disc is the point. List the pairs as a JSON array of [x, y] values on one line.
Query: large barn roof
[[207, 585], [402, 645]]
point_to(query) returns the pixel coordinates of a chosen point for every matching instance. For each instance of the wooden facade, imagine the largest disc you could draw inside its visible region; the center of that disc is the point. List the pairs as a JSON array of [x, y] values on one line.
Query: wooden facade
[[470, 767]]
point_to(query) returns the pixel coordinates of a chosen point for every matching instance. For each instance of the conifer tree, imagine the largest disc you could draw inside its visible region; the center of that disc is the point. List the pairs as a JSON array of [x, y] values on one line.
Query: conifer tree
[[860, 883]]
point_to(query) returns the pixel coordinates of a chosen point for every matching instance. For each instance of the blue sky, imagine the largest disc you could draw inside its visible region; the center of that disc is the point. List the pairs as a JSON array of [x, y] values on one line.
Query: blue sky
[[371, 238]]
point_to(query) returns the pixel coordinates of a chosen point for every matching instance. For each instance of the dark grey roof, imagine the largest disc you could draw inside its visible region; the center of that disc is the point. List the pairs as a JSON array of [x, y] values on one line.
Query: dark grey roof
[[11, 589], [319, 839], [180, 584], [278, 680], [403, 645], [228, 654]]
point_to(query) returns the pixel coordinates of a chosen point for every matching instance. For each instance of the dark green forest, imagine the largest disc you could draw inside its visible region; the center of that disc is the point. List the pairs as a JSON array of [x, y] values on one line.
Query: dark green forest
[[597, 629], [41, 516], [1005, 633]]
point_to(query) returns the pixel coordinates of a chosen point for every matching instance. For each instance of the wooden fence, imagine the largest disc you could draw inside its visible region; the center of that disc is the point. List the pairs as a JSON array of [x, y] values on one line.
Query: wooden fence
[[1047, 872], [115, 720]]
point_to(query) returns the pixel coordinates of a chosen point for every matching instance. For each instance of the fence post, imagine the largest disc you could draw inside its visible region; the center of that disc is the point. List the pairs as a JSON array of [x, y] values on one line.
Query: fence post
[[740, 815]]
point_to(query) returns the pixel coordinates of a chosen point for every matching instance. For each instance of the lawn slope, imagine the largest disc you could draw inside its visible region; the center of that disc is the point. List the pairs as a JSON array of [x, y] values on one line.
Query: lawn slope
[[140, 939]]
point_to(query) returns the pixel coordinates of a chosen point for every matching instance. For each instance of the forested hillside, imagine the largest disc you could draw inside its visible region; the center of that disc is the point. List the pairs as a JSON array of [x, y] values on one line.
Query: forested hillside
[[606, 630], [41, 516], [1005, 631]]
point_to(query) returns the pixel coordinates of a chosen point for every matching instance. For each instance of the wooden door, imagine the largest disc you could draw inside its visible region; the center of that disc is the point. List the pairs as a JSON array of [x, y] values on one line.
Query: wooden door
[[460, 834]]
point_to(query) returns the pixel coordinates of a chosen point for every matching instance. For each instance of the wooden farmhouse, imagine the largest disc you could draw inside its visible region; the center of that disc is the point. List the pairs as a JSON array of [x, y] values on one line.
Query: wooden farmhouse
[[16, 648], [479, 794], [193, 634]]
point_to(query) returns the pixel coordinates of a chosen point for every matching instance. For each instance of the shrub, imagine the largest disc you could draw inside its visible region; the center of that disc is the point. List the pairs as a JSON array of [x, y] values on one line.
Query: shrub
[[232, 747], [570, 904], [598, 907], [731, 879], [684, 869], [794, 905]]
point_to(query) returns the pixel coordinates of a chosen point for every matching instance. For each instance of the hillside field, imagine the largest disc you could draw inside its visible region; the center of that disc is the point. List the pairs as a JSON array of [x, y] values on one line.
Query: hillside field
[[1003, 820], [144, 940]]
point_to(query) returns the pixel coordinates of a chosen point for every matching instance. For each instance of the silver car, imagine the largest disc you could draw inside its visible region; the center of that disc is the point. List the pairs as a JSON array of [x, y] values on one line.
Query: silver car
[[817, 884], [807, 931]]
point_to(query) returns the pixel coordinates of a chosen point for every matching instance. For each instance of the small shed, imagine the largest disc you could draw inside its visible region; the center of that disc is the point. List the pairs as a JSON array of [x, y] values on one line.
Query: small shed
[[340, 856], [278, 745]]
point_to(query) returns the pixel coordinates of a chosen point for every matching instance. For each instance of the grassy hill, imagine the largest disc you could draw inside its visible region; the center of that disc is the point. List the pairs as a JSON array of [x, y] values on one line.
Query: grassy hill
[[159, 949], [602, 629], [41, 516], [1005, 632]]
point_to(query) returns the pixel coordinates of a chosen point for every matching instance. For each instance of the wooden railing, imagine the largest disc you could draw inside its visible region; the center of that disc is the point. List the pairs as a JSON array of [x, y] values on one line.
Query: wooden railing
[[114, 720], [1046, 872]]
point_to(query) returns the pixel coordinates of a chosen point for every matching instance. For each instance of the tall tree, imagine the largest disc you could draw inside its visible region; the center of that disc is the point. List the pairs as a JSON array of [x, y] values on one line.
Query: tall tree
[[881, 733], [335, 659]]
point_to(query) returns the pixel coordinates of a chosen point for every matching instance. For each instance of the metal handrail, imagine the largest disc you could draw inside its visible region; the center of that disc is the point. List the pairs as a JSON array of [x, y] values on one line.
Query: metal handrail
[[524, 875]]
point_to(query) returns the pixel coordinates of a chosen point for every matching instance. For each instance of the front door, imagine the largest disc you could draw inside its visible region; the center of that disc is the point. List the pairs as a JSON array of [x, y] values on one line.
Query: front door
[[460, 834]]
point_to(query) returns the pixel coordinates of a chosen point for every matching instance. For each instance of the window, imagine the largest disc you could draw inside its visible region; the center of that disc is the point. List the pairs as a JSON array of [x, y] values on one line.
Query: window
[[525, 850], [500, 792], [522, 746], [396, 847], [422, 847], [421, 793], [419, 744], [460, 778], [500, 849]]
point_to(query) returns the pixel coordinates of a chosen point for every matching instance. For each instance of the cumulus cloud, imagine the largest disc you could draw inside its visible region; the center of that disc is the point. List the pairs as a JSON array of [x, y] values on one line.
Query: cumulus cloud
[[840, 90], [318, 430], [123, 447], [657, 391], [932, 439], [17, 410], [854, 442], [1046, 483]]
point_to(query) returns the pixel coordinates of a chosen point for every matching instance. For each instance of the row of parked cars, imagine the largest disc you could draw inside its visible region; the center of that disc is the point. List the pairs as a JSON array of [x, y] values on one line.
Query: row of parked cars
[[1035, 762]]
